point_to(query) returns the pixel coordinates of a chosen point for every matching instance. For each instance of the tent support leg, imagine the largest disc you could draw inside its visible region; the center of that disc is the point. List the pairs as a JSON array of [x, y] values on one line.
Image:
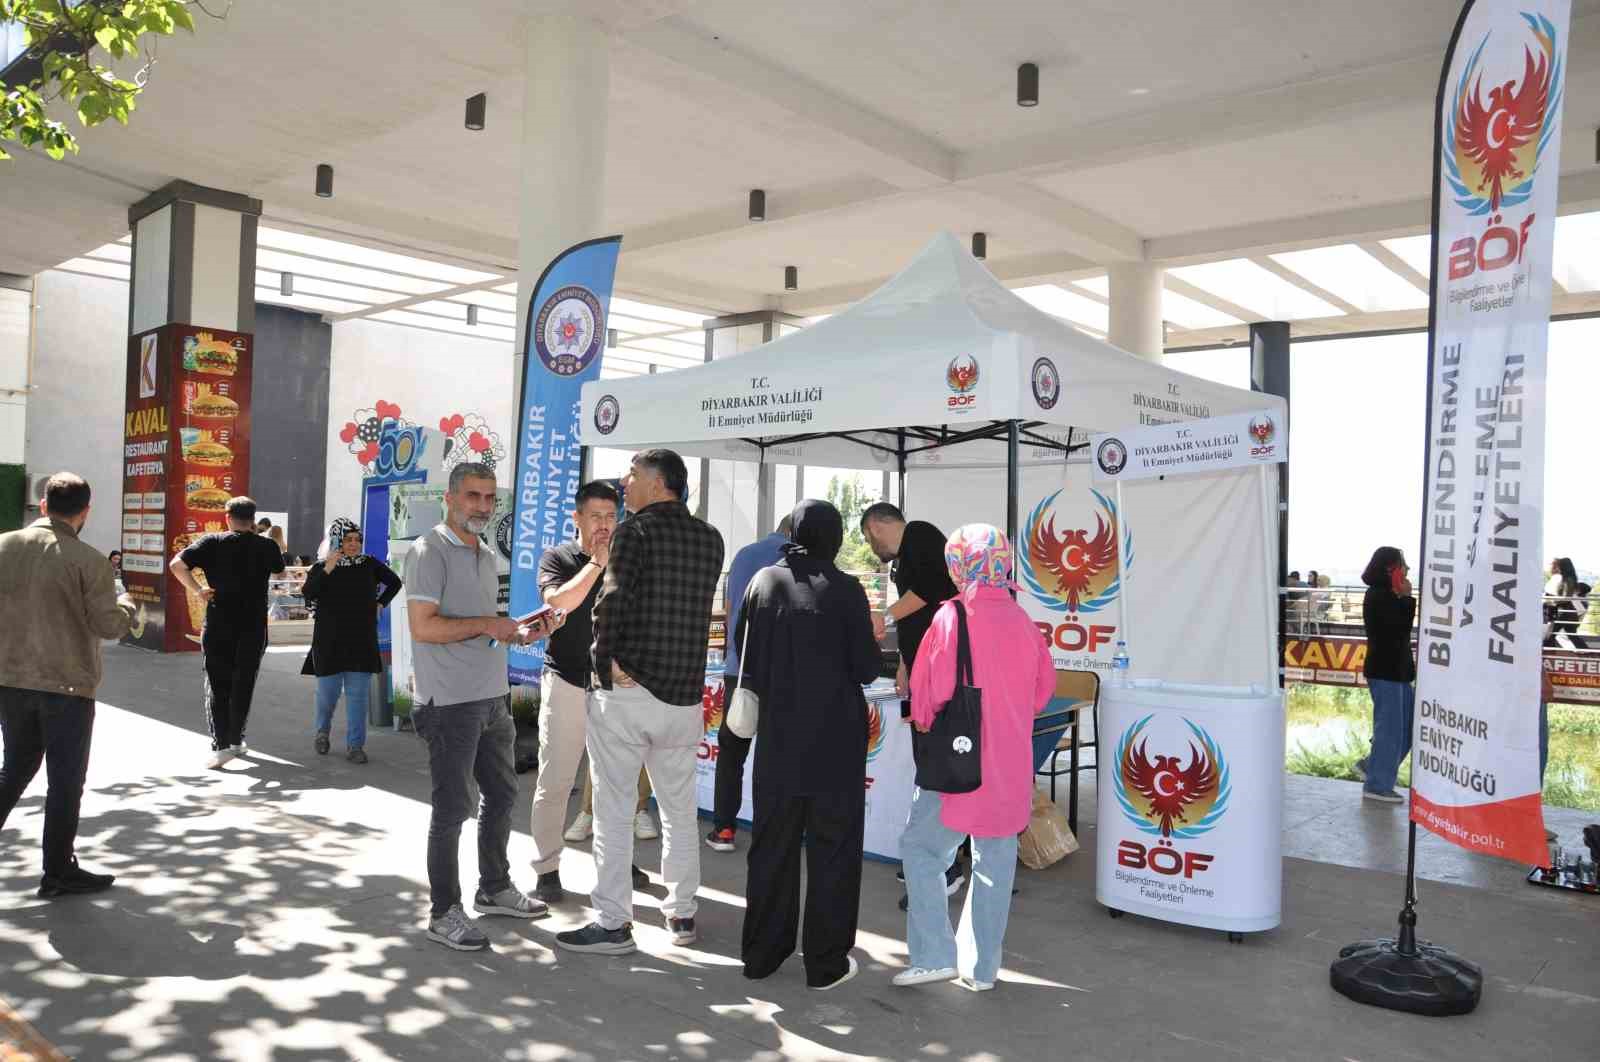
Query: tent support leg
[[1013, 483]]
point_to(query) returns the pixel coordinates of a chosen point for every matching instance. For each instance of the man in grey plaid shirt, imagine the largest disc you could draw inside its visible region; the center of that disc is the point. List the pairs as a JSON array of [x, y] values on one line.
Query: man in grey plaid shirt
[[652, 622]]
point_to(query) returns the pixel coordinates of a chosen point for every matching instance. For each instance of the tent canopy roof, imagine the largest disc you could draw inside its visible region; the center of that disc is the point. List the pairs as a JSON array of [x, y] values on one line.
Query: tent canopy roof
[[943, 347]]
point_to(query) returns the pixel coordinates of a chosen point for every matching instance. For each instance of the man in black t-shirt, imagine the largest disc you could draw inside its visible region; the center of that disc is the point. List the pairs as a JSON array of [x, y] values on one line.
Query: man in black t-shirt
[[237, 566], [915, 554], [569, 578]]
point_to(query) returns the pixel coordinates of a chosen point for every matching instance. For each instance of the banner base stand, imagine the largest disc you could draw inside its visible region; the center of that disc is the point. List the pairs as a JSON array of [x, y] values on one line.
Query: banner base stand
[[1429, 980]]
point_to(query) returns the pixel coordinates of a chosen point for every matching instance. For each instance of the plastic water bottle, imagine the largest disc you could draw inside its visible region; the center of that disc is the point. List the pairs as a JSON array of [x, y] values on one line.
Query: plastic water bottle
[[1119, 664]]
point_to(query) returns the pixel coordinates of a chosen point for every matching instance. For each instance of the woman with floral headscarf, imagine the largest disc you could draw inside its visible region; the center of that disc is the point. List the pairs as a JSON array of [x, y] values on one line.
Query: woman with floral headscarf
[[346, 590], [1011, 665]]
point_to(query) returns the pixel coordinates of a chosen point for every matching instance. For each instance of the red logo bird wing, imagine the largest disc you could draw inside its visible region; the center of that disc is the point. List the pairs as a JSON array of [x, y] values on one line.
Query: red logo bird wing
[[1490, 135], [1168, 788]]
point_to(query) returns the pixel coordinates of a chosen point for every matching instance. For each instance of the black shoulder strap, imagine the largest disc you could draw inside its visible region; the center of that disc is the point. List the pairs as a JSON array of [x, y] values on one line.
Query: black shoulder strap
[[963, 649]]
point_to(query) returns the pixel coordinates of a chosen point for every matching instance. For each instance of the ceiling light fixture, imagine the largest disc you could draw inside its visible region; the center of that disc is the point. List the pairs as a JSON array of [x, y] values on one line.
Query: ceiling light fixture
[[1028, 85], [611, 339], [324, 181], [980, 245], [472, 314], [477, 110], [758, 205], [791, 278], [285, 283]]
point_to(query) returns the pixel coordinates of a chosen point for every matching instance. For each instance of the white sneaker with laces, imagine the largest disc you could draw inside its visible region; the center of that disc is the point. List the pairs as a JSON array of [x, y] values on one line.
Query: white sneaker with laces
[[972, 984], [582, 828], [644, 827], [921, 975], [240, 749], [512, 903], [455, 930], [218, 758]]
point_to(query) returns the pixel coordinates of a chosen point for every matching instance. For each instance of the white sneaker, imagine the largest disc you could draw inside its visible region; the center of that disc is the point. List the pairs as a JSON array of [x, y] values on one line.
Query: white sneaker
[[920, 975], [218, 758], [644, 827], [850, 970], [240, 749], [972, 984], [582, 828]]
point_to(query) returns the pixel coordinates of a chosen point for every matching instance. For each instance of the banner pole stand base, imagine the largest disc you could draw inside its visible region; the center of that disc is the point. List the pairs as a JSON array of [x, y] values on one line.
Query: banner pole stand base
[[1430, 980], [1405, 974]]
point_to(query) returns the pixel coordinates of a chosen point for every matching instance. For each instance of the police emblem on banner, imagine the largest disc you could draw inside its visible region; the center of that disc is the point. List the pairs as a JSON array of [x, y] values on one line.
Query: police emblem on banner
[[1112, 456], [568, 331], [606, 414]]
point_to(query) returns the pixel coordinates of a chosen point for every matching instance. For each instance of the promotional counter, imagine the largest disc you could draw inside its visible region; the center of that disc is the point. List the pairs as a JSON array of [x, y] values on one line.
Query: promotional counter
[[1191, 804], [891, 775]]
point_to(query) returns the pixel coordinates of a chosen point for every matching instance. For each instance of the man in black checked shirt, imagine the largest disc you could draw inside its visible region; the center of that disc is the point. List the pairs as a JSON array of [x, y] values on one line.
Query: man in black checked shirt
[[652, 622]]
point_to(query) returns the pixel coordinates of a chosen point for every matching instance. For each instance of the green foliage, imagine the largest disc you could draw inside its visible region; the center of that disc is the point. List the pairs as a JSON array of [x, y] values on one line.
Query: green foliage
[[73, 43], [849, 496], [1572, 777]]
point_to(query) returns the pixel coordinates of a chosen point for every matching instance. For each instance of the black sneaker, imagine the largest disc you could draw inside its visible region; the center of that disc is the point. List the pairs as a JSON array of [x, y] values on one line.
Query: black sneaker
[[720, 840], [548, 888], [682, 930], [321, 743], [75, 881], [1591, 838], [356, 755], [597, 939], [640, 878]]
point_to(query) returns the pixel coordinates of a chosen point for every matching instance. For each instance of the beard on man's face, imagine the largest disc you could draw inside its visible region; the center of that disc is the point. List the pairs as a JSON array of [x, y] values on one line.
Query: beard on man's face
[[477, 524]]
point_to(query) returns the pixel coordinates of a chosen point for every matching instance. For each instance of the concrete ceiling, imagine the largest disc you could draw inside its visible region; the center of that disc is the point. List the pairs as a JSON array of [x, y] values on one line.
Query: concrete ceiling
[[1178, 133]]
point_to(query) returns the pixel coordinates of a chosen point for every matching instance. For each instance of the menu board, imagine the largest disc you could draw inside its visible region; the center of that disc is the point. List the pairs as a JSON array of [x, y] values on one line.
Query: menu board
[[186, 451]]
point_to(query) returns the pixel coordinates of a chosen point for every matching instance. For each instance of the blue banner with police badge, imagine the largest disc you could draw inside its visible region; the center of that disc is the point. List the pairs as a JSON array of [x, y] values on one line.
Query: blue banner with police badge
[[564, 339]]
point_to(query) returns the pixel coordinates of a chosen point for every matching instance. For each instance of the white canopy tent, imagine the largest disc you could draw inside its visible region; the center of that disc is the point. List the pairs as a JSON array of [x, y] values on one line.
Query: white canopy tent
[[941, 356]]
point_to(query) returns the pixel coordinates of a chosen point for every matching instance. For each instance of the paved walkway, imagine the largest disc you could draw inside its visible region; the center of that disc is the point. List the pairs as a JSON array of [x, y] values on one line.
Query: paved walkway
[[272, 911]]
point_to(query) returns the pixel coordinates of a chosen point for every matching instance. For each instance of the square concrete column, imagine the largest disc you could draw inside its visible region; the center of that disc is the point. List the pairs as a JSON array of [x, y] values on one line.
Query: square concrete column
[[186, 430], [1136, 323]]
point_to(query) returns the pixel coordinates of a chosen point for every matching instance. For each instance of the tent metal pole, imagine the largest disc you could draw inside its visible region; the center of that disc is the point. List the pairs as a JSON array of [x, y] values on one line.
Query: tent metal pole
[[1122, 575], [900, 447], [1013, 484]]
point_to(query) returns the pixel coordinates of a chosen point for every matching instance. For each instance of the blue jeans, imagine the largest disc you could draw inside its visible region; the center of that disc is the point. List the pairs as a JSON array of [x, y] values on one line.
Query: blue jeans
[[926, 849], [1392, 706], [356, 686]]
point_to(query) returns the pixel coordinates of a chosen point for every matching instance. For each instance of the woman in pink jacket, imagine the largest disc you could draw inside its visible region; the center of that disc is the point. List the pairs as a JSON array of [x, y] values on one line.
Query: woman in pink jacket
[[1011, 665]]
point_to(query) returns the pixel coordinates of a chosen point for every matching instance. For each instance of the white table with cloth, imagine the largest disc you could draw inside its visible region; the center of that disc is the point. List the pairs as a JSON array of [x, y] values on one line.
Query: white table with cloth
[[891, 774]]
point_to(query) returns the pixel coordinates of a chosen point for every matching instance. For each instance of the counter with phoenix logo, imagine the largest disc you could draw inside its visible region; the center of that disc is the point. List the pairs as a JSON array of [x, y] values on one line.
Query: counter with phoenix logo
[[1191, 805]]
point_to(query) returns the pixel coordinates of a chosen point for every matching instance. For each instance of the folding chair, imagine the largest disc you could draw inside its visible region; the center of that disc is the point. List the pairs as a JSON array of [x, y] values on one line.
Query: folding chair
[[1058, 728]]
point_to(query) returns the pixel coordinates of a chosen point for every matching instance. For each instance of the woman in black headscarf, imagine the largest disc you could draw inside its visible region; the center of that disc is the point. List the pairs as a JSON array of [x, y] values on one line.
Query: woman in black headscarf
[[346, 590], [810, 651]]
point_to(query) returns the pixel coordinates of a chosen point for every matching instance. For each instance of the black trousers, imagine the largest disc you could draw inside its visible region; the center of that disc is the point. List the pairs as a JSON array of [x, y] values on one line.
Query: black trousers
[[832, 828], [233, 656], [54, 728], [732, 751]]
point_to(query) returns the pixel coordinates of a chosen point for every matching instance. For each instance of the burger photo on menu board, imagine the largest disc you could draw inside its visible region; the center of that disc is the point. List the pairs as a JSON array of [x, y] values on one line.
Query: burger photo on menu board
[[200, 403], [189, 538], [216, 357], [202, 497], [203, 451]]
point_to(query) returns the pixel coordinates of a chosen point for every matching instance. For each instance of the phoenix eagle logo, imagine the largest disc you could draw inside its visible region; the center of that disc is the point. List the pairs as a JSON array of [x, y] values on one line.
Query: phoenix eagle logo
[[962, 373], [876, 731], [712, 709], [1075, 570], [1163, 795], [1493, 142]]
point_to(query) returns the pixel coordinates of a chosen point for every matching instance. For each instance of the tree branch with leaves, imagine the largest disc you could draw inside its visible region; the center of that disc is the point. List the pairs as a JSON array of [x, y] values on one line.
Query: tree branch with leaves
[[70, 49]]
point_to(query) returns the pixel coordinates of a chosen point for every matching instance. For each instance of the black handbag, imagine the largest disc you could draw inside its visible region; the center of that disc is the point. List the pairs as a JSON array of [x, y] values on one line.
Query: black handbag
[[949, 756]]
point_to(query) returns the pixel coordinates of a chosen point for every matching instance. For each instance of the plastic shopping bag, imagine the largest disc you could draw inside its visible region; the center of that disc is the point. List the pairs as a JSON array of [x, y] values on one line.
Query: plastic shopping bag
[[1048, 839]]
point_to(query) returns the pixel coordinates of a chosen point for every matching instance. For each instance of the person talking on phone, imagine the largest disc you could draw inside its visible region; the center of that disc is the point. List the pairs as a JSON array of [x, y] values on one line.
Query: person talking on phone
[[463, 705], [569, 580], [1388, 610], [346, 591]]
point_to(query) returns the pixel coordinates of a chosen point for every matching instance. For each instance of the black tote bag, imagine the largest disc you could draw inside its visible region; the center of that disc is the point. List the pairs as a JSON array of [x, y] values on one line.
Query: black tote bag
[[949, 756]]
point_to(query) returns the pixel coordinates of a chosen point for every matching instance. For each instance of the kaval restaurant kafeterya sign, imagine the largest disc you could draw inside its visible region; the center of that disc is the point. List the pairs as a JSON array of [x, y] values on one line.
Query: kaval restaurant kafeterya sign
[[1338, 662], [186, 451]]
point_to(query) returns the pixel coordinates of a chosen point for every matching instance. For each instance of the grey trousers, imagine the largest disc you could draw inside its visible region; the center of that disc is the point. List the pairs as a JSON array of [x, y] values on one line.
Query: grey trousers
[[630, 728]]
